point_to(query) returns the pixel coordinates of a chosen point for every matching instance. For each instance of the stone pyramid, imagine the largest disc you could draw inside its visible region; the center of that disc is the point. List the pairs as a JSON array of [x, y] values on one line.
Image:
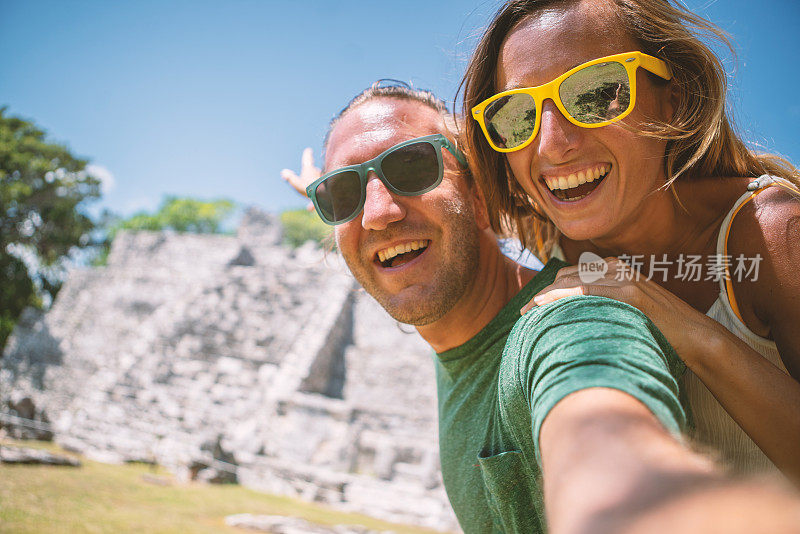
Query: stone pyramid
[[273, 354]]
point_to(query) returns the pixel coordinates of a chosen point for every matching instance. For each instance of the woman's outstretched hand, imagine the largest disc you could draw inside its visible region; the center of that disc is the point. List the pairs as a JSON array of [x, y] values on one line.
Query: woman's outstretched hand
[[308, 173]]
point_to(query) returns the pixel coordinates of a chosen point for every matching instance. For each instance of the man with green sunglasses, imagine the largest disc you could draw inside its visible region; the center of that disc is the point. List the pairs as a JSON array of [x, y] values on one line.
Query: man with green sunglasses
[[582, 391]]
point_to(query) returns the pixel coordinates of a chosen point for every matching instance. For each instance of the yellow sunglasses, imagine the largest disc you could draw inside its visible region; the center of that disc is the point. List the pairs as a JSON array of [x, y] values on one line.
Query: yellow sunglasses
[[594, 94]]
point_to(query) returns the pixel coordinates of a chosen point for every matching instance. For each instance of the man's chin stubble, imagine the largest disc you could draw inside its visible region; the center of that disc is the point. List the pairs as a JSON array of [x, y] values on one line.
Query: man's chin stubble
[[431, 306], [416, 316]]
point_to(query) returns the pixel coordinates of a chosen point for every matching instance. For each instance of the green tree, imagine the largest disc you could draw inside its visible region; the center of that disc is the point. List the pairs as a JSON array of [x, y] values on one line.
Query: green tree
[[181, 215], [42, 189], [301, 225]]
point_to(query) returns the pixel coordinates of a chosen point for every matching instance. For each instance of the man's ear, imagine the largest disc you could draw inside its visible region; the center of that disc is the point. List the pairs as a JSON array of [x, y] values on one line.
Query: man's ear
[[479, 206]]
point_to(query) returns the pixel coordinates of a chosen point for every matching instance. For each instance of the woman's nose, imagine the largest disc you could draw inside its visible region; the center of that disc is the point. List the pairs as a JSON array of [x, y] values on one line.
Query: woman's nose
[[557, 136]]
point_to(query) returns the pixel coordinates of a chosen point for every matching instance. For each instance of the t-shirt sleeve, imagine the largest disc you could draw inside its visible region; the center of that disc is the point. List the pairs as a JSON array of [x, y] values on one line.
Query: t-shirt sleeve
[[585, 342]]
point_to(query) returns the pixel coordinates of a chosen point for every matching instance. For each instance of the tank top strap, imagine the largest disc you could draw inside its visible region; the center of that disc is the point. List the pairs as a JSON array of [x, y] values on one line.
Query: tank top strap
[[754, 188], [556, 252]]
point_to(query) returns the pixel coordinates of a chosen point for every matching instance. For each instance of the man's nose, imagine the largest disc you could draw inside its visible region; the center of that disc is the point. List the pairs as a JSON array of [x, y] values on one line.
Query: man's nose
[[381, 207], [558, 137]]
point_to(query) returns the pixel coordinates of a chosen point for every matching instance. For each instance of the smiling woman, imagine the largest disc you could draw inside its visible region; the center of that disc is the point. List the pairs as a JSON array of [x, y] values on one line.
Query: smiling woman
[[584, 152]]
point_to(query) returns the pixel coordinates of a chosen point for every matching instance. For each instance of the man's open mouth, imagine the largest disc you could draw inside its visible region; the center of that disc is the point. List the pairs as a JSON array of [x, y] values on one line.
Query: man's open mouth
[[402, 253], [575, 186]]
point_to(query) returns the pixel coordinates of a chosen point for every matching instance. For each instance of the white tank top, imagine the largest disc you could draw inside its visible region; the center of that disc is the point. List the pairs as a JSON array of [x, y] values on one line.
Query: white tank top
[[714, 428]]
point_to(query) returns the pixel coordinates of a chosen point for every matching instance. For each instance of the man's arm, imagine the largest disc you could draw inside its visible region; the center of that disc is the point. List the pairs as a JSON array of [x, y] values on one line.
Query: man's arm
[[610, 466]]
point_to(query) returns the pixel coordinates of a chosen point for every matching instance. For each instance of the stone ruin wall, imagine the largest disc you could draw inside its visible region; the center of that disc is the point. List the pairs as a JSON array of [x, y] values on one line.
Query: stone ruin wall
[[274, 354]]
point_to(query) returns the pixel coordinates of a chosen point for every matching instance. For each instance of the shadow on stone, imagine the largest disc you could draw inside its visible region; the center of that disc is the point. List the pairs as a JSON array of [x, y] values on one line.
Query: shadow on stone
[[328, 372], [24, 455], [37, 421], [217, 466], [31, 349]]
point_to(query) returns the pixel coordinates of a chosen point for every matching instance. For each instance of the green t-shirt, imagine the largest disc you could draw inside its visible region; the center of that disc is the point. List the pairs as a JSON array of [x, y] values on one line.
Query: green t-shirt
[[496, 389]]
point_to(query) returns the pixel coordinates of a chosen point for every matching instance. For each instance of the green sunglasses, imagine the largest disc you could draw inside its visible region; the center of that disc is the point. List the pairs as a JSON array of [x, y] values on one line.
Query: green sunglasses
[[410, 168]]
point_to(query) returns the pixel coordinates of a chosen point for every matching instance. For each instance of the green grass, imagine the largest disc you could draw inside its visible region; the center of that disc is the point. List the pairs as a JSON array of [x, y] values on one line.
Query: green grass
[[119, 498]]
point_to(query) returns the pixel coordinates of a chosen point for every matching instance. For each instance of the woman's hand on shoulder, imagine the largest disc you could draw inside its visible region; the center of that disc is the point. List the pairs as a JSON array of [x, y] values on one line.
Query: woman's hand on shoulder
[[308, 173], [681, 324]]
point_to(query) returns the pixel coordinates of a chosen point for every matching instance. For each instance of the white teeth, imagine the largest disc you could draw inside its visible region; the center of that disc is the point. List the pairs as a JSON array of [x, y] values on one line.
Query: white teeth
[[574, 180], [391, 252]]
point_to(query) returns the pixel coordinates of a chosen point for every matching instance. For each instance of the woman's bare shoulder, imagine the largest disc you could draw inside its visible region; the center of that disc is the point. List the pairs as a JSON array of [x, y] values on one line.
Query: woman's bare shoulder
[[766, 233]]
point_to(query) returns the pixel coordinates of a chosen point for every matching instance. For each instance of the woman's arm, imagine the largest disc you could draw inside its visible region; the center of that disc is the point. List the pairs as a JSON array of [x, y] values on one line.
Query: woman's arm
[[761, 398]]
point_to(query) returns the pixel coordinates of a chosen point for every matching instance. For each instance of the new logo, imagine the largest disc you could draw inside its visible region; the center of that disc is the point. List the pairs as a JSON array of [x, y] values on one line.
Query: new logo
[[591, 267]]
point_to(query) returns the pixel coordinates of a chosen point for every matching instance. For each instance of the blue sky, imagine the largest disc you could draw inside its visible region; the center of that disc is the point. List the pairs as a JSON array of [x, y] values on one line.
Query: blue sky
[[213, 99]]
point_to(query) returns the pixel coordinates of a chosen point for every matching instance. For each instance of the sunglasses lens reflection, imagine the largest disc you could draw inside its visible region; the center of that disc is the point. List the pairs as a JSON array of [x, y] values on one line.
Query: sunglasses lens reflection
[[511, 120], [412, 168], [339, 196], [597, 93]]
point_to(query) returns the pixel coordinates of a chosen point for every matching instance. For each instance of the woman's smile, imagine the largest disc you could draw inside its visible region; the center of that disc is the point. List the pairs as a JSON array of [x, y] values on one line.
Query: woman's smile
[[576, 185]]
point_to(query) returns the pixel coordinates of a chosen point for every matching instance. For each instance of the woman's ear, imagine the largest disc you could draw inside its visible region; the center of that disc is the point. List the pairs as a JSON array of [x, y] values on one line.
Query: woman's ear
[[673, 100]]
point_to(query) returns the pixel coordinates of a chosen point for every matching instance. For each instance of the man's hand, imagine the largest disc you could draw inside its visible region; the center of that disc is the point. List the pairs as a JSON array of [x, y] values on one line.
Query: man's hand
[[609, 466], [308, 173]]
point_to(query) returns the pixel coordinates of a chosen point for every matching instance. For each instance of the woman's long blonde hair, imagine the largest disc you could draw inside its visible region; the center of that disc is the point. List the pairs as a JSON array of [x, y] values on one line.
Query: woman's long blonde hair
[[701, 137]]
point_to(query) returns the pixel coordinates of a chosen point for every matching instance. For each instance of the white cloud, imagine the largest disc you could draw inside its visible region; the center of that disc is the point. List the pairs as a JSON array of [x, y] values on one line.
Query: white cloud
[[107, 182]]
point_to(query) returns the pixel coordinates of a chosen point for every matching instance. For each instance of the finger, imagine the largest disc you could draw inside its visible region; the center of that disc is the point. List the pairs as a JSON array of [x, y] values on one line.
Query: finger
[[555, 294], [566, 280], [307, 159], [308, 172], [289, 175], [293, 180], [528, 307], [552, 287], [566, 271], [310, 206], [629, 294], [570, 284], [609, 280]]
